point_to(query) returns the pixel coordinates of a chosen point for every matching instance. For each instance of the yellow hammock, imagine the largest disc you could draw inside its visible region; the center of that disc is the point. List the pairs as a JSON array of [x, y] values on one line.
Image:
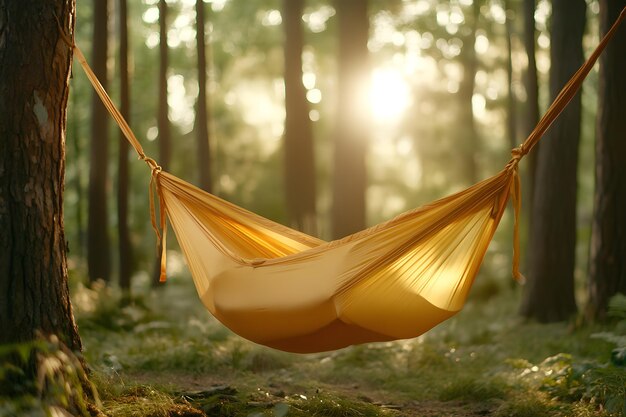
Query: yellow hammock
[[281, 288]]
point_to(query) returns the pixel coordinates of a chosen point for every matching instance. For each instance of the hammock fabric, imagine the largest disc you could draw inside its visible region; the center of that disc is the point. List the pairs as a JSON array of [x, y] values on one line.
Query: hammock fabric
[[290, 291]]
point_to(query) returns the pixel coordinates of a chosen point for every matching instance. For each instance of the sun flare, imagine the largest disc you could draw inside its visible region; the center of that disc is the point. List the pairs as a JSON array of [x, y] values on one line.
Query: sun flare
[[389, 95]]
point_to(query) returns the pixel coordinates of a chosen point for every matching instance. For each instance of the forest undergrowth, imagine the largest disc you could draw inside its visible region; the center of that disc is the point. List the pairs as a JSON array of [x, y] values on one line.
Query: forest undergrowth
[[163, 354]]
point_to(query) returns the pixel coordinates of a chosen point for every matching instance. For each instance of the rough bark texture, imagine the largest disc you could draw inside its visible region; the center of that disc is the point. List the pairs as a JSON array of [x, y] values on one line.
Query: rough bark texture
[[299, 157], [34, 75], [351, 138], [98, 243], [125, 249], [608, 239], [202, 111], [549, 294]]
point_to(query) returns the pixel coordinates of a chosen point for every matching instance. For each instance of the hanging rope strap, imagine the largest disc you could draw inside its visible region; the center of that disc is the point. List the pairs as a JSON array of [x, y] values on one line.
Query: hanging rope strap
[[560, 102], [161, 228]]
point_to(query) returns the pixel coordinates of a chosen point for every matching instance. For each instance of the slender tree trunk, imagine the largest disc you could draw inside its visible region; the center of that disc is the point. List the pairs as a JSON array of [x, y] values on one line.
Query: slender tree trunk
[[78, 247], [98, 245], [549, 295], [163, 122], [299, 157], [607, 275], [467, 138], [34, 81], [352, 132], [125, 247], [531, 116], [202, 111], [511, 119]]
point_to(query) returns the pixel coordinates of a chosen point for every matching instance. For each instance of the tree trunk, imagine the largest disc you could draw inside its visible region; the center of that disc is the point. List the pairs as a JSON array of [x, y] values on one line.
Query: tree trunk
[[607, 275], [531, 118], [467, 137], [98, 245], [202, 112], [34, 81], [163, 122], [511, 119], [299, 157], [125, 247], [549, 295], [348, 213]]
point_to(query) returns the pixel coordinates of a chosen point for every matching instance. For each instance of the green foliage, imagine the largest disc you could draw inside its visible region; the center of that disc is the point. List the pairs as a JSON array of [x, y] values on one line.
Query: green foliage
[[529, 406], [564, 378], [475, 388], [43, 377]]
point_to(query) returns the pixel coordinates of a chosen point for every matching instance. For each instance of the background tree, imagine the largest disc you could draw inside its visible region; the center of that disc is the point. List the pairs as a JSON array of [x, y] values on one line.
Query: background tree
[[607, 274], [511, 114], [467, 136], [163, 122], [202, 112], [549, 293], [34, 76], [98, 243], [125, 249], [351, 136], [299, 159], [531, 110]]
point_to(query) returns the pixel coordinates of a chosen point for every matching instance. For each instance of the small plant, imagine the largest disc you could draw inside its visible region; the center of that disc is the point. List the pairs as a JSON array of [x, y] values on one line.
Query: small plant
[[60, 384], [473, 390]]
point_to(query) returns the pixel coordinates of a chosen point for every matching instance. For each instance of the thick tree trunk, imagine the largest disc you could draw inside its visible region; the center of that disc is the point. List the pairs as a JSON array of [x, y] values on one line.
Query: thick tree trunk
[[34, 76], [549, 295], [202, 111], [608, 240], [299, 158], [163, 122], [98, 244], [125, 247], [352, 132]]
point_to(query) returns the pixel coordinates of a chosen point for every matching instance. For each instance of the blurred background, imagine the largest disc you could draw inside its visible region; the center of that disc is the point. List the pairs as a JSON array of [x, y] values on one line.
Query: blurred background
[[324, 116]]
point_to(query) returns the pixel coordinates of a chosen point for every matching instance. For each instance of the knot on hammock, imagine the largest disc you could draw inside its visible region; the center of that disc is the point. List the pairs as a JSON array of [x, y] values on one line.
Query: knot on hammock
[[154, 166], [516, 155]]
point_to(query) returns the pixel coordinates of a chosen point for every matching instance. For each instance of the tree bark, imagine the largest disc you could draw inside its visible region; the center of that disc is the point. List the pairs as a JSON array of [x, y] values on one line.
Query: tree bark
[[163, 122], [202, 111], [607, 274], [34, 81], [125, 246], [299, 154], [98, 244], [351, 137], [549, 295], [531, 116]]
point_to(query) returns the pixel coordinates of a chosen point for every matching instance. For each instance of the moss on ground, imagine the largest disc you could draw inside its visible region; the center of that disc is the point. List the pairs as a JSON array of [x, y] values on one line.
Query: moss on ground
[[164, 355]]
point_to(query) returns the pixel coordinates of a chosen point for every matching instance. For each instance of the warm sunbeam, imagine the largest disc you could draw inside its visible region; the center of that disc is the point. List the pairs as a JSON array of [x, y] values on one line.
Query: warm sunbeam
[[389, 95]]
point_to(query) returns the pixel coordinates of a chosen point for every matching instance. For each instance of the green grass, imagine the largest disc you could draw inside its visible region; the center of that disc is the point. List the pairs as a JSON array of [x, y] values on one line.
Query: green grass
[[165, 355]]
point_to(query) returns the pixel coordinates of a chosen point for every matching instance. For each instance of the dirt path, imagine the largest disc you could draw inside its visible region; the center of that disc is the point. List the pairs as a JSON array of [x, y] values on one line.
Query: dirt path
[[273, 393]]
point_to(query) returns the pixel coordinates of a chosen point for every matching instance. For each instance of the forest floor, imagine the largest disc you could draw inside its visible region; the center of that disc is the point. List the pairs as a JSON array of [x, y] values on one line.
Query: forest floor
[[165, 355]]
